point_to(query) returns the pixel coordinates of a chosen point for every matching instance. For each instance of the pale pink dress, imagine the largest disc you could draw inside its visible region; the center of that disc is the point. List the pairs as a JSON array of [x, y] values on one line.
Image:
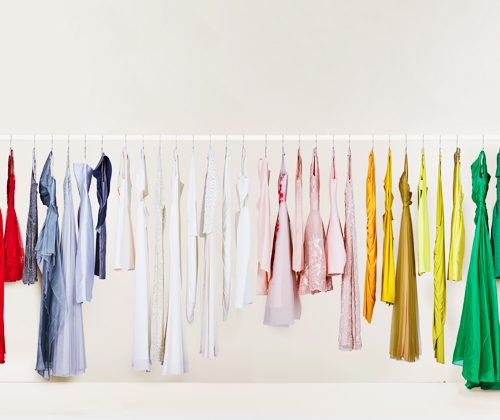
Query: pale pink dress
[[314, 278], [283, 302], [264, 245], [298, 230], [335, 250]]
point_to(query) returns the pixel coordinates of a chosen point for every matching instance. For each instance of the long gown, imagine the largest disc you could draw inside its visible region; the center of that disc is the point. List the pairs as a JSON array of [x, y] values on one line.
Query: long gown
[[226, 236], [140, 347], [13, 243], [53, 294], [192, 242], [264, 245], [2, 329], [30, 275], [283, 302], [495, 225], [457, 240], [176, 357], [209, 347], [102, 174], [423, 221], [388, 276], [298, 226], [314, 278], [69, 349], [439, 275], [405, 340], [350, 317], [477, 348], [85, 242], [371, 242]]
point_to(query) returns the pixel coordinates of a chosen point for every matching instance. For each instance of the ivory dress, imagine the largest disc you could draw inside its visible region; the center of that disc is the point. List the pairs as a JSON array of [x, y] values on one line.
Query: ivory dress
[[226, 236], [69, 347], [176, 357], [85, 242], [283, 302], [243, 294], [314, 279], [140, 350], [30, 275], [192, 242], [264, 245], [209, 346], [124, 251], [298, 227]]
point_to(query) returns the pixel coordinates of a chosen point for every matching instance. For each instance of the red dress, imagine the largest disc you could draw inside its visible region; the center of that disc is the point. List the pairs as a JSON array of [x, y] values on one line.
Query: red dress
[[2, 334], [13, 244]]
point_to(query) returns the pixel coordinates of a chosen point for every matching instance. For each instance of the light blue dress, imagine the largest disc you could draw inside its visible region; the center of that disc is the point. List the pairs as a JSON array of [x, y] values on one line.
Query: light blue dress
[[53, 294], [69, 357]]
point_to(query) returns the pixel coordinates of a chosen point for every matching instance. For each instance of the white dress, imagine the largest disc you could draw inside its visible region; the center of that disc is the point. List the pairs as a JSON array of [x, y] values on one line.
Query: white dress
[[124, 251], [69, 348], [157, 290], [209, 346], [243, 284], [176, 358], [226, 236], [140, 347], [192, 243], [84, 270]]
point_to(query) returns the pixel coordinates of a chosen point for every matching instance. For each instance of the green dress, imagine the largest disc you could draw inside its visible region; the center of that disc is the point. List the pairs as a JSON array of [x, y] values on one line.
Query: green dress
[[478, 342], [495, 225]]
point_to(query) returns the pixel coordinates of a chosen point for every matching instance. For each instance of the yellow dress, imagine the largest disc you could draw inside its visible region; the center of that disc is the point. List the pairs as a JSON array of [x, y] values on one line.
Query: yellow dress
[[457, 240], [388, 276], [423, 222], [439, 275], [371, 242]]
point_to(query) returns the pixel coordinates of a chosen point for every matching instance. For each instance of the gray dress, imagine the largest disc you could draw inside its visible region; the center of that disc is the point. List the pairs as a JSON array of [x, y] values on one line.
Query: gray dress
[[53, 293], [30, 267]]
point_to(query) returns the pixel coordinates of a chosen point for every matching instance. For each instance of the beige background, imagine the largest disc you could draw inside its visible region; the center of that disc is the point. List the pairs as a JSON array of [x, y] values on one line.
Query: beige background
[[198, 67]]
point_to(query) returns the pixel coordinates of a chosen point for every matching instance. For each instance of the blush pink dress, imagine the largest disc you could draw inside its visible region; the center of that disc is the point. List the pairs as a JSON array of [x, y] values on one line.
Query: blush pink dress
[[283, 302], [264, 245], [314, 278], [298, 230]]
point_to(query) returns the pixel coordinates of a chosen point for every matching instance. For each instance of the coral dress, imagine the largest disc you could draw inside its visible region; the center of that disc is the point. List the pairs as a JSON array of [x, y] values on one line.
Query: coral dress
[[283, 304], [314, 278], [14, 251]]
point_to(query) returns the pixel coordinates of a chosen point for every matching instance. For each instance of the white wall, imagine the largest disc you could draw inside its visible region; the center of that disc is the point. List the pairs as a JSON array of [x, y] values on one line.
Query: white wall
[[249, 67]]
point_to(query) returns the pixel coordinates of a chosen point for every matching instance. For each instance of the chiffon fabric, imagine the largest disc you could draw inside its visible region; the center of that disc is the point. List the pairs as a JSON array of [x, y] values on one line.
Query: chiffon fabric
[[140, 349], [350, 317], [102, 174], [314, 278], [226, 236], [335, 251], [457, 240], [30, 275], [69, 349], [243, 293], [192, 242], [283, 302], [371, 242], [405, 340], [85, 242], [388, 275], [176, 358], [125, 250], [423, 221], [53, 294], [264, 244], [495, 225], [439, 275], [13, 243], [477, 348], [298, 229], [209, 347]]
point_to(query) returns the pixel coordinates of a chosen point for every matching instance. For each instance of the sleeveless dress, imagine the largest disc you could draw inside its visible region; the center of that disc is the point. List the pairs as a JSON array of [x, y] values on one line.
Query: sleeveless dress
[[69, 349], [298, 227], [13, 243], [30, 275], [283, 302], [314, 278], [423, 221], [192, 242], [226, 236], [457, 239], [477, 348], [264, 245], [495, 224], [84, 269], [2, 329], [388, 274], [53, 294]]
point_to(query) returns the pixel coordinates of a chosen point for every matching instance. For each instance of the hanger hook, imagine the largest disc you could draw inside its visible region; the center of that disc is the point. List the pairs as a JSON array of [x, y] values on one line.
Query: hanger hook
[[265, 146], [225, 138], [406, 143], [482, 137], [373, 141], [142, 137], [34, 141], [349, 143], [423, 138], [102, 144], [457, 141], [282, 145], [299, 142], [192, 143], [315, 141], [51, 142], [210, 141], [440, 143], [389, 138], [10, 142]]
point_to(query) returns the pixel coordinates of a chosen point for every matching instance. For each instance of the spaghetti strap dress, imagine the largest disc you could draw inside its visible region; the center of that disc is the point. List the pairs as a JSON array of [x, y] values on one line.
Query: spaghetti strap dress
[[30, 275]]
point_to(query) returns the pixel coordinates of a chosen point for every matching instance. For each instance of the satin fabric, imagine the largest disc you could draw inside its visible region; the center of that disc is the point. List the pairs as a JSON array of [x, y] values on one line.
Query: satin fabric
[[495, 225], [423, 221], [439, 275], [405, 339], [457, 241], [176, 357], [388, 275], [298, 227], [192, 242], [264, 244], [371, 242], [30, 275], [477, 348], [226, 236]]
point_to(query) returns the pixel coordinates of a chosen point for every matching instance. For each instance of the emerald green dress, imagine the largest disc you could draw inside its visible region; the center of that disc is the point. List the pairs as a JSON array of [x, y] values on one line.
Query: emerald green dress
[[495, 225], [478, 342]]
